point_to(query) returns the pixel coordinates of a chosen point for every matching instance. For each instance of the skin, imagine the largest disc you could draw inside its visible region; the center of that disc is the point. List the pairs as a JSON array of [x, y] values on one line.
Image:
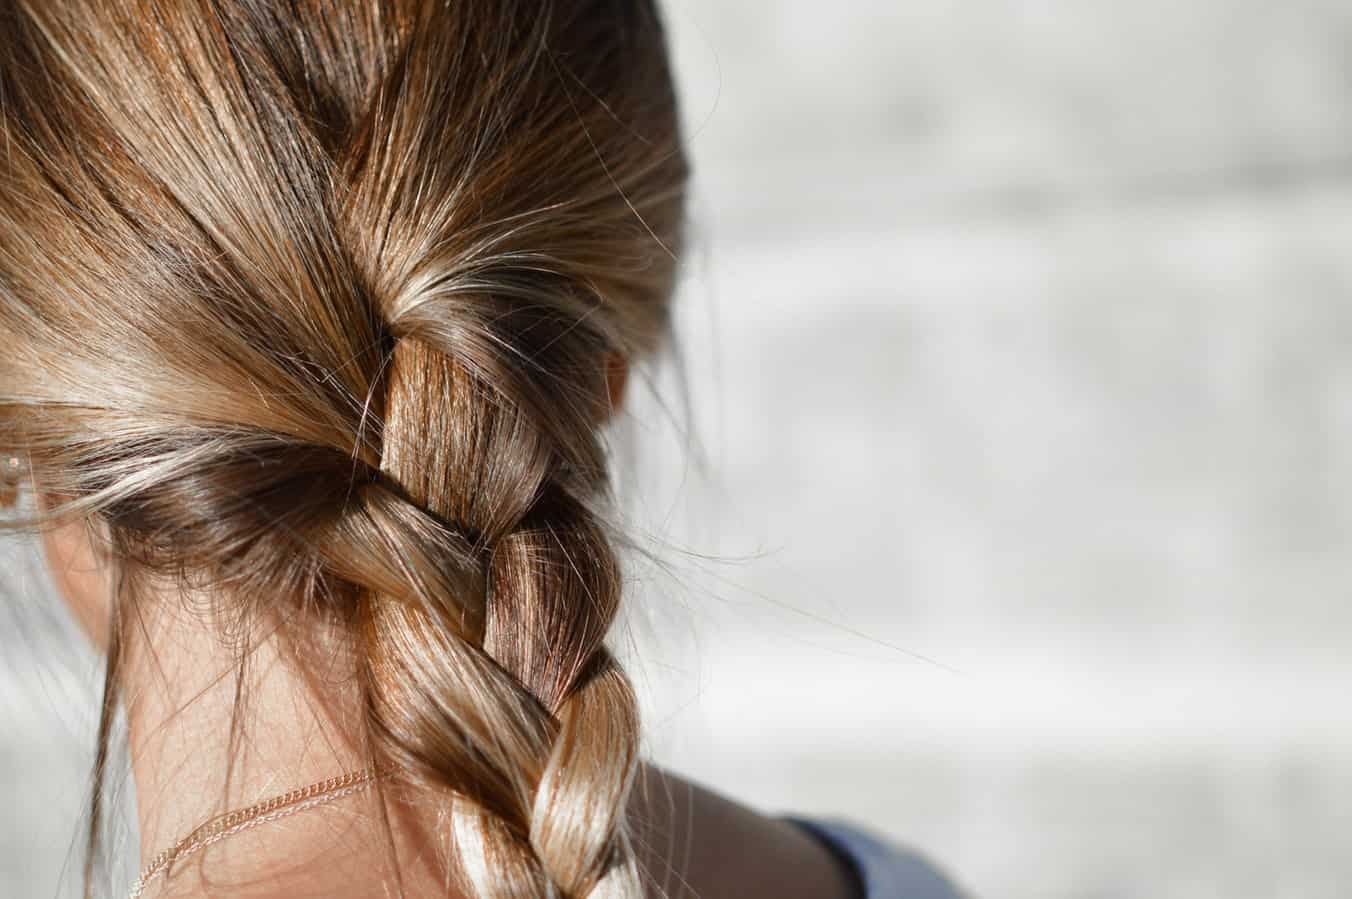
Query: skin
[[181, 686]]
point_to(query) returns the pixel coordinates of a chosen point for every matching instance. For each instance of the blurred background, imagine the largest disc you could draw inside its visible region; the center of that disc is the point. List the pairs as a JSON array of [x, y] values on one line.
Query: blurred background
[[1012, 510]]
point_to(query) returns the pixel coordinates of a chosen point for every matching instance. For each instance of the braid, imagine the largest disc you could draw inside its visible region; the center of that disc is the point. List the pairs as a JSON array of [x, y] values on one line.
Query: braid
[[549, 716]]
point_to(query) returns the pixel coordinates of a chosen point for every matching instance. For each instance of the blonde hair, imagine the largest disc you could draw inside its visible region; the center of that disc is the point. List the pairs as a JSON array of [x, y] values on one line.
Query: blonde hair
[[308, 304]]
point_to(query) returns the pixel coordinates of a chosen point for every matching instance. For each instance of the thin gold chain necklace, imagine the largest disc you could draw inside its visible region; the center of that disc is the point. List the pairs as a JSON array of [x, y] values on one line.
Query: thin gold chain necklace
[[231, 823]]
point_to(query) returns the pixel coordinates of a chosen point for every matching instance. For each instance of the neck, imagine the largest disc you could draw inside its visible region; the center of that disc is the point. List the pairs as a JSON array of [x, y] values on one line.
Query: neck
[[210, 735]]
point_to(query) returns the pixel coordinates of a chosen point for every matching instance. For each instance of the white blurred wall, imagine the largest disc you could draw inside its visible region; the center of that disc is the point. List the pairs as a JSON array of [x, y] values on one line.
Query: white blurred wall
[[1033, 358], [1019, 339]]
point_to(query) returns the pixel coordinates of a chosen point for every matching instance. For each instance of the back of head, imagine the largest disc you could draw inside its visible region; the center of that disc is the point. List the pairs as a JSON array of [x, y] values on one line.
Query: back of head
[[309, 304]]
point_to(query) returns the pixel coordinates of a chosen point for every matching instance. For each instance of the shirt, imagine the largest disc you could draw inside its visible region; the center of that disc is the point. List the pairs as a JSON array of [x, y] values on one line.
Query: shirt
[[883, 871]]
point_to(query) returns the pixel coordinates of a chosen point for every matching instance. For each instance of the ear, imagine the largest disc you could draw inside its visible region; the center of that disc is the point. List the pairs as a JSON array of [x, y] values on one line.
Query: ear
[[81, 573], [617, 376]]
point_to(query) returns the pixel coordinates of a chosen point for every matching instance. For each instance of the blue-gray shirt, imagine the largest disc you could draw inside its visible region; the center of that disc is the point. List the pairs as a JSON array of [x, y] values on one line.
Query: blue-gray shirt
[[884, 871]]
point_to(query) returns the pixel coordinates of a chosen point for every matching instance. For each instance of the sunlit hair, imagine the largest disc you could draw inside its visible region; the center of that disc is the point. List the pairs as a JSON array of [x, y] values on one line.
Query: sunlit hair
[[308, 305]]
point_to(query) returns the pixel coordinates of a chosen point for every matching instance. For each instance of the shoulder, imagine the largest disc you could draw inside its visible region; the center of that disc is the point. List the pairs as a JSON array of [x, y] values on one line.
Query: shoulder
[[692, 841], [885, 871]]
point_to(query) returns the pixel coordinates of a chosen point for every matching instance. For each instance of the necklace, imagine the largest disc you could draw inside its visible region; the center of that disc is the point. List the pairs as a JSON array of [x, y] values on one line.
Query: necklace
[[231, 823]]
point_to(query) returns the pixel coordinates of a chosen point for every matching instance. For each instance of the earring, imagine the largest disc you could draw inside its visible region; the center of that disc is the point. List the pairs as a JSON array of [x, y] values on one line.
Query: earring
[[11, 474]]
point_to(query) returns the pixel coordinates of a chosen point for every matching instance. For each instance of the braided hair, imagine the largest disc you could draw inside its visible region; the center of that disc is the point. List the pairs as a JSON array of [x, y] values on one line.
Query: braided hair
[[309, 304]]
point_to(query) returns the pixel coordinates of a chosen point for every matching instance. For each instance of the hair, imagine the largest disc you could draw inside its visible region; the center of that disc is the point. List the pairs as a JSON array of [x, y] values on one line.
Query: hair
[[307, 305]]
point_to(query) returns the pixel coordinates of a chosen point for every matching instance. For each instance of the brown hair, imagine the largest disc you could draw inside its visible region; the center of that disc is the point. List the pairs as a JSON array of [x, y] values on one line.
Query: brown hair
[[308, 304]]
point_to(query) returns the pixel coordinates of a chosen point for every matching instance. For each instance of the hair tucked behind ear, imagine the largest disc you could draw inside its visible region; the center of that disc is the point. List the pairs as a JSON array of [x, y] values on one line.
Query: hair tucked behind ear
[[311, 303]]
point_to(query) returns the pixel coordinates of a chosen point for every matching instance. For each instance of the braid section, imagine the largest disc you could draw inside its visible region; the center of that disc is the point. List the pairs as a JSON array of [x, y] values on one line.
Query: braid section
[[499, 688]]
